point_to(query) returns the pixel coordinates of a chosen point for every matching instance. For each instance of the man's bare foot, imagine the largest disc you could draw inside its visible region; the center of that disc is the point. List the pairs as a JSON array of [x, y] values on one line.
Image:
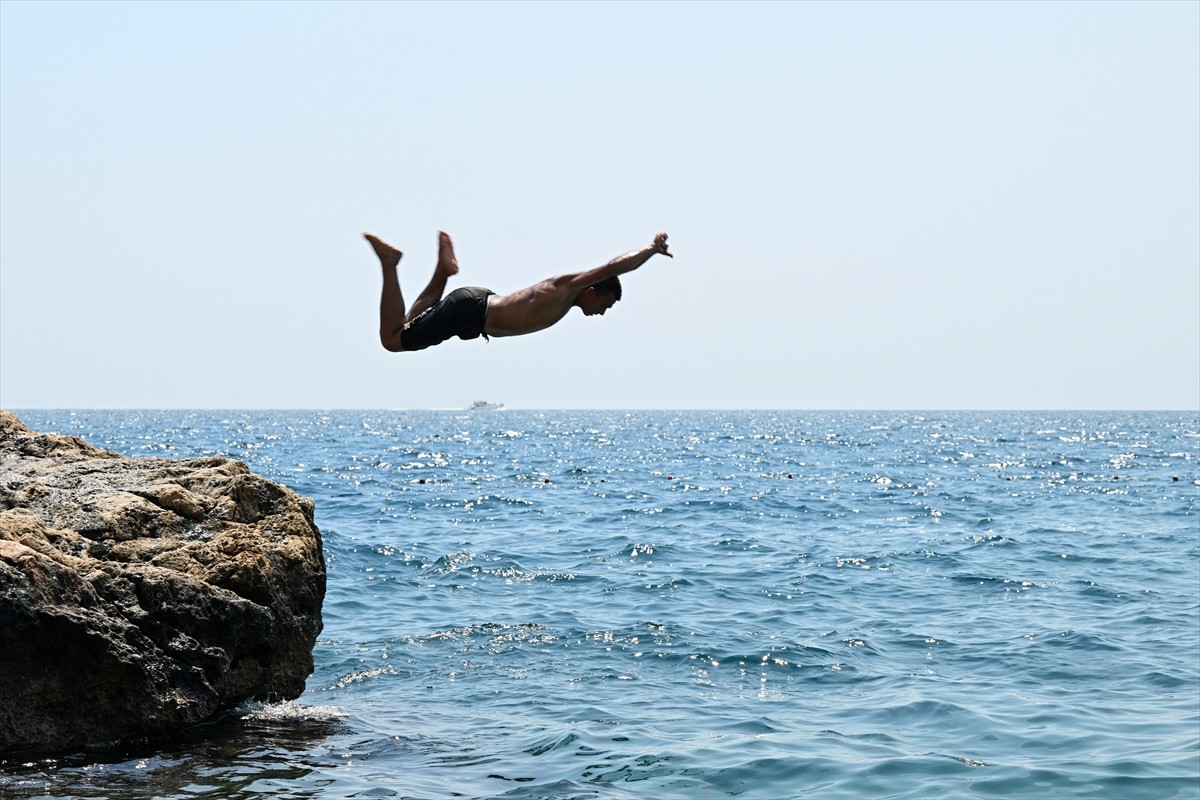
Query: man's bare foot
[[388, 255], [447, 263]]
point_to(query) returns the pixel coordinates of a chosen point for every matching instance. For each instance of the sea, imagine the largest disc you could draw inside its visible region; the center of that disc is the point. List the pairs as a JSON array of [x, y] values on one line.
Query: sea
[[707, 604]]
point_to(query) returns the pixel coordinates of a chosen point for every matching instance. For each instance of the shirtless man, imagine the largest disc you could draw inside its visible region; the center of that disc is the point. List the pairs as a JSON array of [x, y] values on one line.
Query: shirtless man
[[473, 310]]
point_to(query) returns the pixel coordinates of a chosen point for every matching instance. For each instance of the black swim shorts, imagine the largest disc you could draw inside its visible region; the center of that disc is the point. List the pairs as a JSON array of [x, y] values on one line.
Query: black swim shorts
[[461, 313]]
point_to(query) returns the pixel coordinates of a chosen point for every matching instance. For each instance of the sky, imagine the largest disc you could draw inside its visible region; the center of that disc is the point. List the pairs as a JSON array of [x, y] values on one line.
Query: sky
[[871, 205]]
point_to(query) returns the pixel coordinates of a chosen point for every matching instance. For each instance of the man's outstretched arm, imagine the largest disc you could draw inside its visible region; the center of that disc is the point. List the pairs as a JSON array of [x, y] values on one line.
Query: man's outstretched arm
[[621, 264]]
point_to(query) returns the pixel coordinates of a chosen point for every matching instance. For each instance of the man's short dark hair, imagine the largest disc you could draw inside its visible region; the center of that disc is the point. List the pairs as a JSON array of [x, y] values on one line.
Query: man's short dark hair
[[610, 285]]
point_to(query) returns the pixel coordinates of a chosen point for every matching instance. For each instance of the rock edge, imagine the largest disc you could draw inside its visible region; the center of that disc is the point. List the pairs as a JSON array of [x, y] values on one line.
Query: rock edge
[[139, 596]]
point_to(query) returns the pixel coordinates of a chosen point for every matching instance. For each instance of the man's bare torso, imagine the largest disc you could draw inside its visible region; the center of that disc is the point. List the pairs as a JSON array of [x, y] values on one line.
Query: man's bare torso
[[531, 309]]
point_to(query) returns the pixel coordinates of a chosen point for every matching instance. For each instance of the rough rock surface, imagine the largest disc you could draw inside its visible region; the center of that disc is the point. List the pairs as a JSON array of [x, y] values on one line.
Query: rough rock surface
[[140, 596]]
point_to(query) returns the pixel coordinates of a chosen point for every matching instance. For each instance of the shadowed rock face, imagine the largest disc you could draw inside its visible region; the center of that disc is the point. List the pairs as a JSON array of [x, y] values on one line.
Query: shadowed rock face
[[140, 596]]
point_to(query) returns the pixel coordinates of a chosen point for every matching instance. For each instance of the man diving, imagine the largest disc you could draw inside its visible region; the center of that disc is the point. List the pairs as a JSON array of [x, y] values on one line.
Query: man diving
[[473, 310]]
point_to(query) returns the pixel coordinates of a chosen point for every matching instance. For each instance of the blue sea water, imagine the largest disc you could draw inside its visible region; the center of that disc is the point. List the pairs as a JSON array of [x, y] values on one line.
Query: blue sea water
[[610, 604]]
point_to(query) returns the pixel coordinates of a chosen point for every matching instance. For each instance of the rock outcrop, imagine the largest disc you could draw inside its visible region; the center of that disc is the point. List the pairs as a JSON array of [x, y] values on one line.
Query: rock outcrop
[[139, 596]]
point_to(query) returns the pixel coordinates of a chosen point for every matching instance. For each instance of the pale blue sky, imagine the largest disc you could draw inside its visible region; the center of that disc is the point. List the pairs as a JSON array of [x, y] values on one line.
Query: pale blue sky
[[931, 205]]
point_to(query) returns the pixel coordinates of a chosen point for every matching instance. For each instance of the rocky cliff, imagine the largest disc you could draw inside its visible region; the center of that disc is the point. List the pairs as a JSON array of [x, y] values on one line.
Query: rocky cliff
[[139, 596]]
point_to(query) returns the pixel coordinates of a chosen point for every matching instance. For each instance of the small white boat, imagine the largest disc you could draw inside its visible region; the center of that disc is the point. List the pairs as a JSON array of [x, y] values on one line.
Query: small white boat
[[484, 405]]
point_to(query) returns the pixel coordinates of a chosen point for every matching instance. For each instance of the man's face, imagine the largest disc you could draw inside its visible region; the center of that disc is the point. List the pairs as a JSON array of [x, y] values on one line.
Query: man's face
[[594, 303]]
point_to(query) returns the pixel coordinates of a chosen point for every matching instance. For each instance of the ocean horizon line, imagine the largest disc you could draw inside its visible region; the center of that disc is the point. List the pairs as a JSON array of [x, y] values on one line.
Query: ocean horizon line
[[681, 409]]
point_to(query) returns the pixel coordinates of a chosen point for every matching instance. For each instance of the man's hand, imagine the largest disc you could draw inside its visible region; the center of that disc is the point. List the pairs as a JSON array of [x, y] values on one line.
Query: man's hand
[[660, 245]]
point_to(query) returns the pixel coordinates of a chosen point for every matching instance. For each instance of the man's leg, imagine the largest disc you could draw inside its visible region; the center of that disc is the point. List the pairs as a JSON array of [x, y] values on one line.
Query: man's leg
[[391, 302], [447, 265]]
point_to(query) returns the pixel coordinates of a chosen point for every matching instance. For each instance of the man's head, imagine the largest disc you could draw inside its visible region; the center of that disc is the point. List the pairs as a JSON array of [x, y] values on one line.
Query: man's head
[[600, 297]]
